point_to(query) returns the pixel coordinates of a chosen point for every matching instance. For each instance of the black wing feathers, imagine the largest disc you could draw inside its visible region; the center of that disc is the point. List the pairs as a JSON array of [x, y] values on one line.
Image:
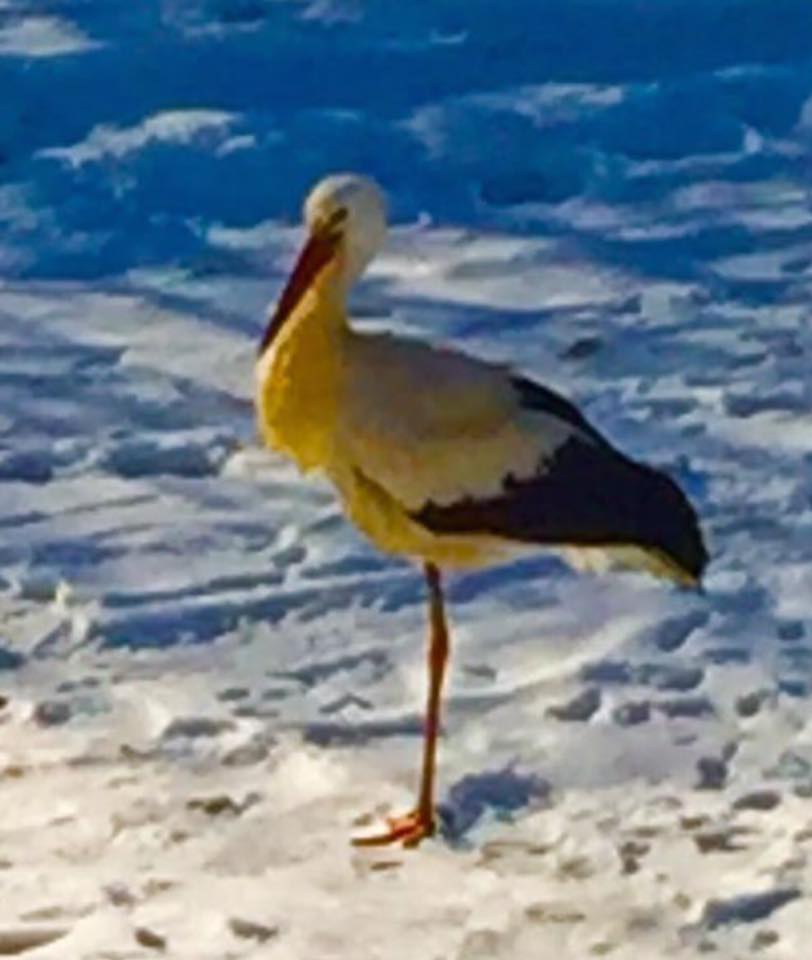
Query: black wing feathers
[[533, 396], [589, 494]]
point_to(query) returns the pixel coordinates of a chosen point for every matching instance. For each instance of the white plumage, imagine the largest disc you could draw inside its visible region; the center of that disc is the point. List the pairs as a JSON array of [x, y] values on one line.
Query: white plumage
[[442, 457], [434, 425]]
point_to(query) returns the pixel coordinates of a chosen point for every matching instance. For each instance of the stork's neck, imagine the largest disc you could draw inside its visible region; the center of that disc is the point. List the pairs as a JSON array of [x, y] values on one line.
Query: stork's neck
[[299, 376], [320, 313], [327, 298]]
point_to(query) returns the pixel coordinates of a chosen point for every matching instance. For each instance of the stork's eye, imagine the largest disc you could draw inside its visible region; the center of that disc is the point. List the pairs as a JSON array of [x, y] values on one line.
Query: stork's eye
[[337, 217]]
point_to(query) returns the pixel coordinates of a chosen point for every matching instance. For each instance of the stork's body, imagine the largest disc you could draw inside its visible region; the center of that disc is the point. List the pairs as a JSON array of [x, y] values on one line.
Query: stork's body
[[441, 457]]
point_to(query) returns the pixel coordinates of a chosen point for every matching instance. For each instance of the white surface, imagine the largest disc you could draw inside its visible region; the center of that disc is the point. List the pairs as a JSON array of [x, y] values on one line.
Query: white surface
[[187, 595]]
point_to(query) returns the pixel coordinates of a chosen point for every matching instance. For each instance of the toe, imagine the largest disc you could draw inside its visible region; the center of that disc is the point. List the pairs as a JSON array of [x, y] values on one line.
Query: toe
[[408, 830]]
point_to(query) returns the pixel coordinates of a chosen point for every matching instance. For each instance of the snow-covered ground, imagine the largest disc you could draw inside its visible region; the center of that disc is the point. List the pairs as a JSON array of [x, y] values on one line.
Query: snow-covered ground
[[209, 681]]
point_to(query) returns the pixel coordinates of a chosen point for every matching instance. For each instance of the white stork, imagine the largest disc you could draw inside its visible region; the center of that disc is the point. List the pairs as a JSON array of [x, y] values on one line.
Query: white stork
[[440, 457]]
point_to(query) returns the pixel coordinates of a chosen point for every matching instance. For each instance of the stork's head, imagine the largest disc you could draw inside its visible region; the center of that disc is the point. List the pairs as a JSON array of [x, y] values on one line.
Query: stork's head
[[352, 209], [345, 217]]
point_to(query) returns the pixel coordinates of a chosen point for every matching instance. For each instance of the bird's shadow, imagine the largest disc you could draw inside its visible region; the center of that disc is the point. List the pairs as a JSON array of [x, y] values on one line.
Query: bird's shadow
[[496, 794]]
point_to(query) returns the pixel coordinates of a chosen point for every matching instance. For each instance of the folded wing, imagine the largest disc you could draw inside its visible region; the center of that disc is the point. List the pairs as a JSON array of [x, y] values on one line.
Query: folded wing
[[467, 448]]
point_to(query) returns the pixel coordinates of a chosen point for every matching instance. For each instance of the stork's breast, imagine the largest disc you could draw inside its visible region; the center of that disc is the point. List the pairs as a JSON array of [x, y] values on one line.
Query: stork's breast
[[297, 399]]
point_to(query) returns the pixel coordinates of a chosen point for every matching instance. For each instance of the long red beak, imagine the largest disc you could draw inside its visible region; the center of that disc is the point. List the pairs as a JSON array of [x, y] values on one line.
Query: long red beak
[[317, 252]]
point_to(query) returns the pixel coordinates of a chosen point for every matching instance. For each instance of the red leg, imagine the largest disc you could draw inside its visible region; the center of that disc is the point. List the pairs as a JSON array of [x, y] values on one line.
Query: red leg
[[420, 823]]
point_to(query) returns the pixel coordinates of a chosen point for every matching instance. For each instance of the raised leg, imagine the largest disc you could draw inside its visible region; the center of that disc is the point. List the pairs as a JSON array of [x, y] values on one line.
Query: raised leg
[[413, 827]]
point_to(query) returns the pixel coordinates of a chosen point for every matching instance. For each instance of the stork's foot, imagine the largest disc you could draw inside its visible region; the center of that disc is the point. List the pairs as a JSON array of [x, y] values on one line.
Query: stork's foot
[[407, 830]]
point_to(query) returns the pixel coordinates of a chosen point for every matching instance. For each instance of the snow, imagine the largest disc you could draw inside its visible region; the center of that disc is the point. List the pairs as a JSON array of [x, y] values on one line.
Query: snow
[[171, 126], [41, 37], [211, 682]]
